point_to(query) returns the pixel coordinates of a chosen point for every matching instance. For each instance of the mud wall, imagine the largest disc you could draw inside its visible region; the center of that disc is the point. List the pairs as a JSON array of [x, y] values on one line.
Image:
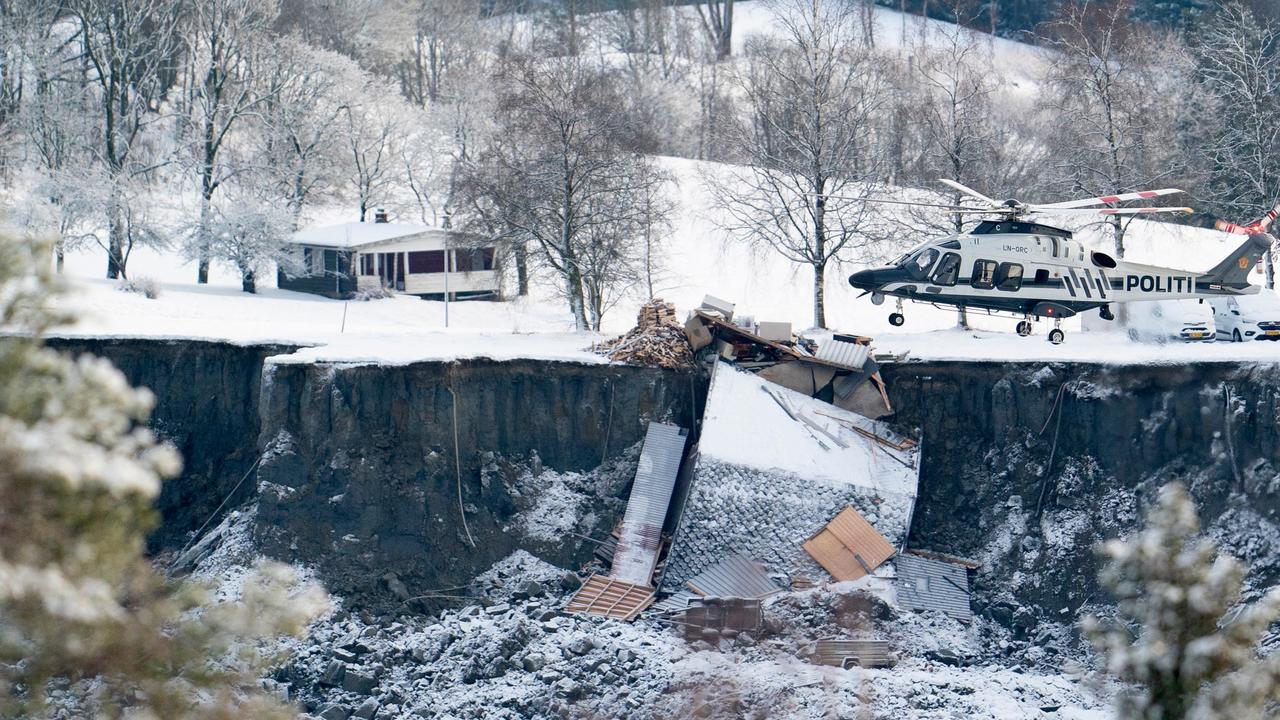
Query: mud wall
[[207, 406], [1027, 467], [359, 475]]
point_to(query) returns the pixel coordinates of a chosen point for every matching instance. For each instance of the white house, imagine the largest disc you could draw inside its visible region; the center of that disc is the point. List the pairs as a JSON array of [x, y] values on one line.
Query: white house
[[339, 260]]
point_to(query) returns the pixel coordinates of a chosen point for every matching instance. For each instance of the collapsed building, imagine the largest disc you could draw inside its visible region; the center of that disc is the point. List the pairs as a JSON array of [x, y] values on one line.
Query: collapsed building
[[792, 478]]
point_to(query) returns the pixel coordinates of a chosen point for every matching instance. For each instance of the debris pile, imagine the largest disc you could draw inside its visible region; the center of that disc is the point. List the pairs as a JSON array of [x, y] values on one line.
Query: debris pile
[[657, 340]]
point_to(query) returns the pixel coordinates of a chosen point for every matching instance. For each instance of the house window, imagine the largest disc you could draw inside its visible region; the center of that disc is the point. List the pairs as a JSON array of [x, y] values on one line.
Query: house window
[[368, 264], [331, 261], [948, 270], [471, 260], [984, 274], [426, 261], [313, 261], [1009, 277]]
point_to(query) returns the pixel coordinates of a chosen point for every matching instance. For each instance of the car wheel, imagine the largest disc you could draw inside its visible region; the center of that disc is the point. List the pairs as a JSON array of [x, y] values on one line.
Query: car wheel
[[1235, 336]]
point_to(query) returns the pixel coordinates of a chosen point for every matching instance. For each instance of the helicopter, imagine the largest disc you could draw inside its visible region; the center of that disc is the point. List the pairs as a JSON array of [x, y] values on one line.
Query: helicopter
[[1007, 264]]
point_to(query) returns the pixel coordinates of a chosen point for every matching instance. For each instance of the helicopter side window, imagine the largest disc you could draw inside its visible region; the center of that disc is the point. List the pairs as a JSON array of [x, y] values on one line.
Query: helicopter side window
[[1009, 277], [920, 263], [948, 270], [984, 274]]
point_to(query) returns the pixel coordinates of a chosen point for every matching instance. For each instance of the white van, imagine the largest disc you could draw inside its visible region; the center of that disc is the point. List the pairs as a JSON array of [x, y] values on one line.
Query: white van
[[1248, 317], [1163, 321]]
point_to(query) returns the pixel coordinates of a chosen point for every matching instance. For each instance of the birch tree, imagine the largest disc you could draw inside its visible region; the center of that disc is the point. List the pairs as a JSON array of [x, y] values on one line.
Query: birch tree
[[813, 95], [225, 38], [1238, 64]]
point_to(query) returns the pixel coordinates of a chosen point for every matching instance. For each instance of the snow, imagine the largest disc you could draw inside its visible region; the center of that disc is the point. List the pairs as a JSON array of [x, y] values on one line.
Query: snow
[[743, 425], [699, 261], [356, 234]]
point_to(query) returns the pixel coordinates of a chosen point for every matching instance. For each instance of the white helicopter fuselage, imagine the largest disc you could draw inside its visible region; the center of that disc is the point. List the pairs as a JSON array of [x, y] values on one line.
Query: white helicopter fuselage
[[1035, 270]]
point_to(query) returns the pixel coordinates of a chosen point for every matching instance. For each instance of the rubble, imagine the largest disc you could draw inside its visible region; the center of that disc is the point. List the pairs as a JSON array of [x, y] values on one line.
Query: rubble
[[657, 340]]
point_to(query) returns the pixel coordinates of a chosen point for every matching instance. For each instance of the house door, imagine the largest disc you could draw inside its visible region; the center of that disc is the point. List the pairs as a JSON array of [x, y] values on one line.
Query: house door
[[391, 269]]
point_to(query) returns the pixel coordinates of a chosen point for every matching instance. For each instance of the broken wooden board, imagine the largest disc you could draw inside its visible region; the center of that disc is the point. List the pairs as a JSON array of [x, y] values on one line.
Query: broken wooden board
[[610, 597], [849, 547]]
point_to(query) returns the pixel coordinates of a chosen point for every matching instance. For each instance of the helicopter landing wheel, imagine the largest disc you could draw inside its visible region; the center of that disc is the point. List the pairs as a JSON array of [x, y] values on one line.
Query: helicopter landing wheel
[[896, 319], [1056, 336], [1024, 328]]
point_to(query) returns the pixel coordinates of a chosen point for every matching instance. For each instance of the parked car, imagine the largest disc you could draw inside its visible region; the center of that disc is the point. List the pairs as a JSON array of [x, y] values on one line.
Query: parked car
[[1248, 317], [1170, 320]]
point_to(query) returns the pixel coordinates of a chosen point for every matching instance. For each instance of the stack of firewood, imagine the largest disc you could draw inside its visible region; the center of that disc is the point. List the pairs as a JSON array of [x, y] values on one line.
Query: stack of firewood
[[657, 340]]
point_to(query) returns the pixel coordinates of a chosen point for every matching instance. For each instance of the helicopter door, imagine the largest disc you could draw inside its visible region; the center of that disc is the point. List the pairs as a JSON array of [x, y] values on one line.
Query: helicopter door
[[948, 270]]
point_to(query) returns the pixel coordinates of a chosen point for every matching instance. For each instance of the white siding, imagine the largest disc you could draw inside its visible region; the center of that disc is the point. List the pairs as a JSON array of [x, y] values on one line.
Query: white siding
[[433, 283]]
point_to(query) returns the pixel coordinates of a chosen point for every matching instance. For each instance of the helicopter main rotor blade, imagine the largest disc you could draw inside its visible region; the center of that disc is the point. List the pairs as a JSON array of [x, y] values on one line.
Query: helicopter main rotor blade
[[1117, 211], [1259, 226], [1108, 199], [912, 203], [968, 191]]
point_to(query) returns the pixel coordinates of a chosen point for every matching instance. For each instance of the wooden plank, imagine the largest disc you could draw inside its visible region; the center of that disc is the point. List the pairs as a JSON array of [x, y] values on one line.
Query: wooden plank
[[833, 556]]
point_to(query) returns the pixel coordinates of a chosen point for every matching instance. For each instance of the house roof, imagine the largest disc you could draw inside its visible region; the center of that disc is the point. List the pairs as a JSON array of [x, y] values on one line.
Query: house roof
[[358, 234]]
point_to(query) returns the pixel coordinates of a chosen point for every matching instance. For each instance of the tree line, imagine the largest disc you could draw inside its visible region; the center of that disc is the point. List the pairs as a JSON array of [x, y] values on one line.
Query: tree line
[[215, 127]]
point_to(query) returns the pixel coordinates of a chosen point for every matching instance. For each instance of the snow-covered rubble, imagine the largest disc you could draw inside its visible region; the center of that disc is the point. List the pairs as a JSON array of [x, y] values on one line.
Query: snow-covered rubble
[[511, 653]]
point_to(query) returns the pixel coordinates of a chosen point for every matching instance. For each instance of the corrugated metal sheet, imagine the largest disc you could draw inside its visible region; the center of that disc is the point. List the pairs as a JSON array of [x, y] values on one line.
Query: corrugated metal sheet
[[641, 534], [610, 597], [925, 584], [678, 602], [737, 576], [850, 355], [848, 547]]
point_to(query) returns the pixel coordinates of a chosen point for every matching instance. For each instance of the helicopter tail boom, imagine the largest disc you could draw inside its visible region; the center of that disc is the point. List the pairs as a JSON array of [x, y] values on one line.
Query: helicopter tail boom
[[1232, 274]]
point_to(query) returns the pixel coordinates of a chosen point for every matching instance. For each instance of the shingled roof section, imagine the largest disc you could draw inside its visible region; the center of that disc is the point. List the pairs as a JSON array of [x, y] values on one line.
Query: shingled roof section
[[925, 584]]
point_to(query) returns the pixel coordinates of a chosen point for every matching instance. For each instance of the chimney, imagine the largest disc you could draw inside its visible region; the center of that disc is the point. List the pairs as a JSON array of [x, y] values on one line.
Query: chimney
[[380, 215]]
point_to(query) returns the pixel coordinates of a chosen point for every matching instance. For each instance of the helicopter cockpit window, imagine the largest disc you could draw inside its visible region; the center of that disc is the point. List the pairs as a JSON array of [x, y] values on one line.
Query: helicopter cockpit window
[[918, 265], [984, 274], [1009, 277], [948, 270]]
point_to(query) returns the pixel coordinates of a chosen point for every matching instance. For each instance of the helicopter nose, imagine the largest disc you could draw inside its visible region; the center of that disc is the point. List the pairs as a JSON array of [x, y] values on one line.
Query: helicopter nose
[[868, 279]]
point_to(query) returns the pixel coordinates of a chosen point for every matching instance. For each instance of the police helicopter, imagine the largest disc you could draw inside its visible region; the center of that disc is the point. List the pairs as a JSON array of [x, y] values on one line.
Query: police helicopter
[[1007, 264]]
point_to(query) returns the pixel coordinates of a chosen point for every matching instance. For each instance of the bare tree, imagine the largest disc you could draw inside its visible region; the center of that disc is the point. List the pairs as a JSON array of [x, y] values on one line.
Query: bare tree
[[373, 129], [129, 47], [299, 128], [1238, 63], [446, 33], [56, 121], [224, 37], [717, 22], [247, 229], [813, 95], [1111, 126], [554, 174]]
